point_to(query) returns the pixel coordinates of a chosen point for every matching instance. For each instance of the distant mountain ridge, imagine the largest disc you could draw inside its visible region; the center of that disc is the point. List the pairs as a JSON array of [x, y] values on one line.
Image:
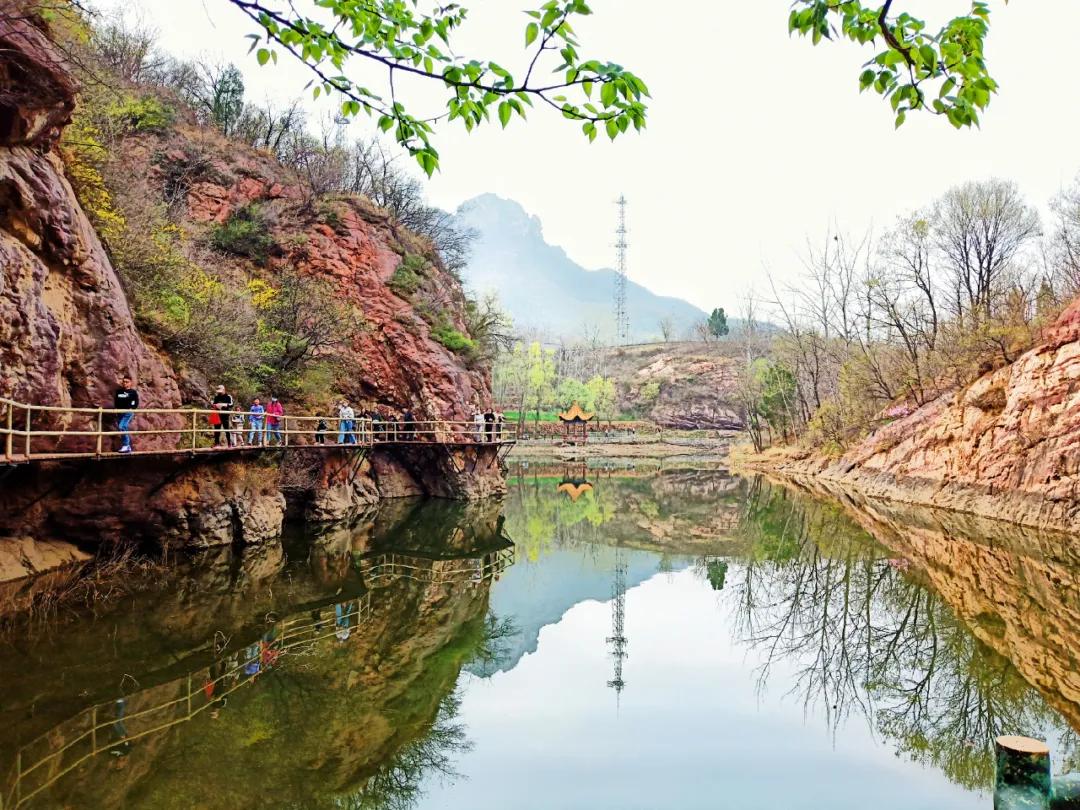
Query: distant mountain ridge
[[541, 287]]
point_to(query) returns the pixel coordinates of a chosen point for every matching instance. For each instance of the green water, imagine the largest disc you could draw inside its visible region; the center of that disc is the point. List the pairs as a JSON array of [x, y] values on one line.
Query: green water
[[600, 639]]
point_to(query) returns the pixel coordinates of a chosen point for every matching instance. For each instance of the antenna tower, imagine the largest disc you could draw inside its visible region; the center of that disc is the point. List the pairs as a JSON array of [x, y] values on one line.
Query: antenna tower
[[618, 640], [622, 315]]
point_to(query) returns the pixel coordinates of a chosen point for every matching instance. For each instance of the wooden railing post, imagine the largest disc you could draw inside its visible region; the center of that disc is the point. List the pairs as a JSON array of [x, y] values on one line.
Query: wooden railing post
[[29, 410], [93, 729], [194, 428], [100, 428], [285, 428], [9, 442]]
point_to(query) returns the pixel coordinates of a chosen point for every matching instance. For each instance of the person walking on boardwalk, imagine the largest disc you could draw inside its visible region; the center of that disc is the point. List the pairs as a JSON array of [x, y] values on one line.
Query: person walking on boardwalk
[[255, 423], [320, 432], [500, 421], [274, 415], [409, 425], [125, 399], [489, 421], [478, 420], [346, 415], [221, 403]]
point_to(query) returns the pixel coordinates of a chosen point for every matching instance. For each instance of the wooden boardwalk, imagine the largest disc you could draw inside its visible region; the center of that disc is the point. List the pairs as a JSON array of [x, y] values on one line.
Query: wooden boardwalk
[[37, 433]]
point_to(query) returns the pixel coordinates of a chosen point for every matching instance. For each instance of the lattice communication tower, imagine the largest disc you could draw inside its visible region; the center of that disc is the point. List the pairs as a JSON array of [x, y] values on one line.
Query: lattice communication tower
[[622, 314]]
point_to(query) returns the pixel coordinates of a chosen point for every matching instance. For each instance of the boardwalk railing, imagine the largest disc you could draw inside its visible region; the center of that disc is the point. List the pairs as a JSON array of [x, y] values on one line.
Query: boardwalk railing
[[47, 432], [112, 727]]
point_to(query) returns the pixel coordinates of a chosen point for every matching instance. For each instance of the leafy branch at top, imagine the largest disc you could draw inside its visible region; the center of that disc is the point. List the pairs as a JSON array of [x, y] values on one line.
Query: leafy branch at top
[[397, 37], [942, 72]]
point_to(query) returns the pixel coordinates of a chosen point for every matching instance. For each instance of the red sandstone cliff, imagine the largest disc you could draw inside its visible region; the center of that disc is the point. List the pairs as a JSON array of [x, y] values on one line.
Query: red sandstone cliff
[[67, 331], [1007, 446]]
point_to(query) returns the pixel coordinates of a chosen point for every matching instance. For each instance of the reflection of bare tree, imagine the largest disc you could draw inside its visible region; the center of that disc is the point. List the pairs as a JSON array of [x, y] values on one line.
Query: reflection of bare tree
[[864, 636], [398, 782], [397, 785]]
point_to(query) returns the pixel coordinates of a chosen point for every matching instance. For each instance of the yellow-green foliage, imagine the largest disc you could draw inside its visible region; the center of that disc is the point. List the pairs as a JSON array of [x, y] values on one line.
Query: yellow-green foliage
[[83, 155]]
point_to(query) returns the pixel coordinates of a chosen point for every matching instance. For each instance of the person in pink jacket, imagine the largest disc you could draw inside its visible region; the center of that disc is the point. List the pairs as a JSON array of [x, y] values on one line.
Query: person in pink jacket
[[274, 415]]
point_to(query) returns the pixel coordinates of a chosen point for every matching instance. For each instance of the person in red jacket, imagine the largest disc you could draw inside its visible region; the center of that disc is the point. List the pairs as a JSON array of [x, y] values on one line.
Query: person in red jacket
[[274, 414]]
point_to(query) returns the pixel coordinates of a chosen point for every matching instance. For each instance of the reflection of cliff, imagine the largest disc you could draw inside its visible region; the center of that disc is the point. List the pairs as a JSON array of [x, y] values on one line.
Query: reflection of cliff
[[311, 727], [939, 670], [428, 610], [1016, 588], [678, 512]]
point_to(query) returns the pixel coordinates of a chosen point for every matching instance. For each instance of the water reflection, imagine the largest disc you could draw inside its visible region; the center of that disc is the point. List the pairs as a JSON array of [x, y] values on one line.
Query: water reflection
[[867, 636], [642, 623], [341, 694]]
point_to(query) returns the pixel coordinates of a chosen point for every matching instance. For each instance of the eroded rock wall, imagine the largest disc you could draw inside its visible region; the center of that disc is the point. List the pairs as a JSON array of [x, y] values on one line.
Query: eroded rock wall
[[1006, 447]]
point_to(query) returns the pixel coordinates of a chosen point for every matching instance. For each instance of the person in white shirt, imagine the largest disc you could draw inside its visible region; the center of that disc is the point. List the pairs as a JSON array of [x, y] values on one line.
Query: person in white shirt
[[346, 418]]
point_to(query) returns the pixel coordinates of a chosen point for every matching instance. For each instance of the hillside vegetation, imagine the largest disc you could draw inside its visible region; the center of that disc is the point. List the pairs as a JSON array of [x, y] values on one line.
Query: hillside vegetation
[[245, 243]]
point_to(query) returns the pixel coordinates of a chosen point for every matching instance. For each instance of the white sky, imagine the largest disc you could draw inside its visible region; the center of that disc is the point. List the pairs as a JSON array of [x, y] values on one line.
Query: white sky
[[755, 142]]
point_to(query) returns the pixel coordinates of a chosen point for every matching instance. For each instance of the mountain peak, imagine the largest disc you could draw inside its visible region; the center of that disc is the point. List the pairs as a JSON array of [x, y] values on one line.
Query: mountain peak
[[543, 288]]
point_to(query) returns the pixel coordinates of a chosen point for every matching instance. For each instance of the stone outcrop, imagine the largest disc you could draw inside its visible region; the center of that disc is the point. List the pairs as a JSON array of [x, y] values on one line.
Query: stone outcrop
[[684, 386], [1006, 447]]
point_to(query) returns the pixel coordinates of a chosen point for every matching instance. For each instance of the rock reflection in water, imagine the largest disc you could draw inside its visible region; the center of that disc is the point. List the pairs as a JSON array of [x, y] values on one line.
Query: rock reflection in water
[[325, 683], [925, 623]]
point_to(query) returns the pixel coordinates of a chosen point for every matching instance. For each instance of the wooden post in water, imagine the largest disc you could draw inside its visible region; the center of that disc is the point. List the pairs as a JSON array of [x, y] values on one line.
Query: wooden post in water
[[1023, 774]]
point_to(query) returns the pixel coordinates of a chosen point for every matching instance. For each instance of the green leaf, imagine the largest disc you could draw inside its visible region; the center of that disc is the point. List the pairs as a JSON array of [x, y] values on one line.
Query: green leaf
[[263, 56], [505, 111], [532, 30]]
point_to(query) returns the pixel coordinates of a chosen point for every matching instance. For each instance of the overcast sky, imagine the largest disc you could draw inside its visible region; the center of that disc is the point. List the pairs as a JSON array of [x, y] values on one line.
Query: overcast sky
[[755, 143]]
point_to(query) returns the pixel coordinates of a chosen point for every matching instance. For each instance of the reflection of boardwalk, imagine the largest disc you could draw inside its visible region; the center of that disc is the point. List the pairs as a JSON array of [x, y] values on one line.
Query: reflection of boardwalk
[[113, 727], [380, 569]]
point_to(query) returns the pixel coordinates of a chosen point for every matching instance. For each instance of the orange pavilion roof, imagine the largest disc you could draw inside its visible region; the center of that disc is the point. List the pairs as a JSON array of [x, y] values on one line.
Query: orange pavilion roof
[[576, 414], [575, 490]]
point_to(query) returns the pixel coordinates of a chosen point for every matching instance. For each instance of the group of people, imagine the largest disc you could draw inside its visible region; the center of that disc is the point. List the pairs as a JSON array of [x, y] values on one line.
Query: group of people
[[376, 425], [489, 425], [263, 421]]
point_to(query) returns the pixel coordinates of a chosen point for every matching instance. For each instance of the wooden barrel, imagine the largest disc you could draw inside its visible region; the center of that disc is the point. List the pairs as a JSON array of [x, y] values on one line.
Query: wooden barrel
[[1023, 774]]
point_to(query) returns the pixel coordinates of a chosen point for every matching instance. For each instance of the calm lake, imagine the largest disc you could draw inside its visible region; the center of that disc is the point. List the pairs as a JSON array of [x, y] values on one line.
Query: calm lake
[[603, 638]]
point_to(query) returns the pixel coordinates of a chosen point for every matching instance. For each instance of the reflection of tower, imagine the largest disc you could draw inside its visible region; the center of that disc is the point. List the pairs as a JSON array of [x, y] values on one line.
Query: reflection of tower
[[622, 315], [617, 640]]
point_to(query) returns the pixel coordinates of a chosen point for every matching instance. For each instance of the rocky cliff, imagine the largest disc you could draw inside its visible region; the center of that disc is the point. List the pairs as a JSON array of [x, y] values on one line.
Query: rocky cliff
[[68, 331], [687, 386], [1007, 446]]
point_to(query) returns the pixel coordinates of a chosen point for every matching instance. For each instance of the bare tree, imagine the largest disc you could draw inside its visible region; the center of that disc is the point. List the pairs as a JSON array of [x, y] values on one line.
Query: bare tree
[[667, 328], [980, 229]]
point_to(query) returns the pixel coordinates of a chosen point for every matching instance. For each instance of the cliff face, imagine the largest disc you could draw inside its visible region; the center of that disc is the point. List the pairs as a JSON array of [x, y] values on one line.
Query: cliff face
[[68, 332], [1007, 447]]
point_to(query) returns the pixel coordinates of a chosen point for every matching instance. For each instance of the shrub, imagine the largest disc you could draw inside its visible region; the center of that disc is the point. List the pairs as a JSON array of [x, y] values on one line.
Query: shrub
[[404, 282], [454, 340], [245, 233], [141, 114]]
